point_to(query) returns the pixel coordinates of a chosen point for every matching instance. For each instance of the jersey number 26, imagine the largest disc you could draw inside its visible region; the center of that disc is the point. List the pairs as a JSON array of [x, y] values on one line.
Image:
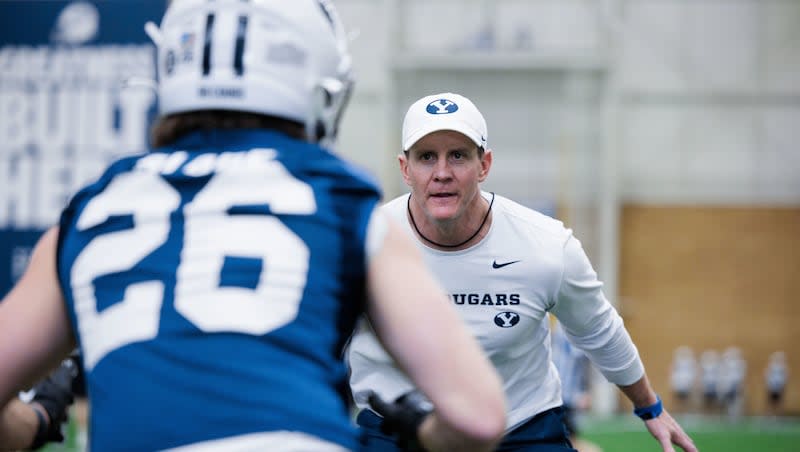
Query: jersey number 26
[[210, 234]]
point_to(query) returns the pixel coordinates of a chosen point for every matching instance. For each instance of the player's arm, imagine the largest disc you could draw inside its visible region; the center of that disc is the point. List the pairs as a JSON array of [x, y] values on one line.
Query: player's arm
[[19, 423], [32, 425], [34, 336], [417, 325]]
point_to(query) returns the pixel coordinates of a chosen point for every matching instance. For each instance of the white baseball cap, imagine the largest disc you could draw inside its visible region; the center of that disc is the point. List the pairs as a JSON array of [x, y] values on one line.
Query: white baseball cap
[[444, 111]]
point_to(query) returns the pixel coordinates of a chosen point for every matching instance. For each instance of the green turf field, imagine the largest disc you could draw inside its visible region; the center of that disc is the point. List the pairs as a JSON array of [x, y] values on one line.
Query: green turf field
[[710, 435], [627, 434]]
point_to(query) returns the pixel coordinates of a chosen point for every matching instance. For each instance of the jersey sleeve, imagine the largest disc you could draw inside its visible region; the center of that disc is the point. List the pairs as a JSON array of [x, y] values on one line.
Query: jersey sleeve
[[591, 322], [377, 227]]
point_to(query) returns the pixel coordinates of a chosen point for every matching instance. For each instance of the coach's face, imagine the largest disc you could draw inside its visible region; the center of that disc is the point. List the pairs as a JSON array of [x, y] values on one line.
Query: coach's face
[[444, 170]]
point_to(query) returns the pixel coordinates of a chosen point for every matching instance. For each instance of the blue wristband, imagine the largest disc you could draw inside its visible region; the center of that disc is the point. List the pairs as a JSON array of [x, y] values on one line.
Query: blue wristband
[[650, 412]]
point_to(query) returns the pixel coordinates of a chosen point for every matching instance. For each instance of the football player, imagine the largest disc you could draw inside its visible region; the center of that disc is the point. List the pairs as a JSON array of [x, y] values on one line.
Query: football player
[[213, 282]]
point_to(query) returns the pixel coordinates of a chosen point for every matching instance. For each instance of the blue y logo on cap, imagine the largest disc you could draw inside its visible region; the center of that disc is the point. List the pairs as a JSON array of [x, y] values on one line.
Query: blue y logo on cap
[[442, 107]]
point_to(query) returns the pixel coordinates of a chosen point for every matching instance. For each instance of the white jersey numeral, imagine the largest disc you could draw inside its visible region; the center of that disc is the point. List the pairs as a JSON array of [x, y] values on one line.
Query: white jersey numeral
[[210, 237], [210, 234]]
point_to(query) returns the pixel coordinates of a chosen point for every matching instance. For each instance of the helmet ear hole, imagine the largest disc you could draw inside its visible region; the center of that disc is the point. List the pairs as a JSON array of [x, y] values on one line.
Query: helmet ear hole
[[329, 100], [319, 133]]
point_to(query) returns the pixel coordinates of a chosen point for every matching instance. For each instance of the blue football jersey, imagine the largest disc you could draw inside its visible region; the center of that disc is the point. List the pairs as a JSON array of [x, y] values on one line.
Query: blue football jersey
[[212, 286]]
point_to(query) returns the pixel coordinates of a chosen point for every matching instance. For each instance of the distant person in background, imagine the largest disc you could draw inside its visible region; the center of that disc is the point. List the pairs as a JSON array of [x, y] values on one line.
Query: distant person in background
[[709, 379], [775, 376], [682, 375], [733, 369], [574, 371]]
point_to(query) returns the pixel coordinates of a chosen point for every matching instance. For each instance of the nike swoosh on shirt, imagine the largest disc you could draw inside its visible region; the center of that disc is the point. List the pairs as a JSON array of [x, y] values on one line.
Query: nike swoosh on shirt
[[496, 265]]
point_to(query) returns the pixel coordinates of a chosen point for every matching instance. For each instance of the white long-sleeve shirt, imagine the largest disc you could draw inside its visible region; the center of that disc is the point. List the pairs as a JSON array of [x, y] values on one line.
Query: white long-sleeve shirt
[[527, 265]]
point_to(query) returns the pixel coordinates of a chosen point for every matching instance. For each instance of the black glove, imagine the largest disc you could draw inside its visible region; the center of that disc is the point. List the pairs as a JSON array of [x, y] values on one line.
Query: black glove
[[402, 417], [54, 394]]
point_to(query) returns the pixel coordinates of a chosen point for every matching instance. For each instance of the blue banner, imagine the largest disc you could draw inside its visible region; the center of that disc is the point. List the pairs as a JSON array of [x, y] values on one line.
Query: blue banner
[[64, 114]]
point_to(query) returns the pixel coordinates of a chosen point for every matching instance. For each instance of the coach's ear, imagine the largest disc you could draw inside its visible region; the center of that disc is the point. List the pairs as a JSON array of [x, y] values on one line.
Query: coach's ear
[[402, 159], [486, 165]]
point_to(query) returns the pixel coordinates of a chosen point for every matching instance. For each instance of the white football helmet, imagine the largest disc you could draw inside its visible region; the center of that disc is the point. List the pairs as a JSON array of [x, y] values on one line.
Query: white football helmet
[[281, 58]]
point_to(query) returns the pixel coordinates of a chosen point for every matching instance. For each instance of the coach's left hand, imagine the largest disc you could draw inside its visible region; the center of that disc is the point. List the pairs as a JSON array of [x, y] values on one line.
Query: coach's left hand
[[668, 432]]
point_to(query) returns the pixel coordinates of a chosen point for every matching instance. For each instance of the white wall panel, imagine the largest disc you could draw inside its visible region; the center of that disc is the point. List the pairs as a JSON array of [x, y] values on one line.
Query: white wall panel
[[721, 43], [503, 25], [553, 25], [651, 40], [366, 23], [719, 146], [782, 45], [363, 133], [779, 159], [677, 45], [701, 76], [704, 154], [652, 146], [443, 25]]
